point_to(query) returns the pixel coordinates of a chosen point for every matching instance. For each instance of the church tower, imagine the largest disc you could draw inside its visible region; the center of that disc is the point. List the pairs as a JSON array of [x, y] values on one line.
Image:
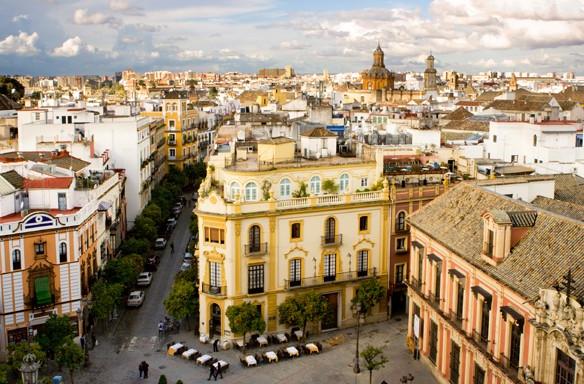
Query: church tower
[[430, 75], [378, 77]]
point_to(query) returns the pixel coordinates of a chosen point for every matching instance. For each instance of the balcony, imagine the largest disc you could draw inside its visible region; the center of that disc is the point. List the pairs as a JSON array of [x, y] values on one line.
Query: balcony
[[511, 369], [172, 143], [214, 290], [256, 249], [482, 341], [328, 279], [416, 285], [456, 318], [331, 241]]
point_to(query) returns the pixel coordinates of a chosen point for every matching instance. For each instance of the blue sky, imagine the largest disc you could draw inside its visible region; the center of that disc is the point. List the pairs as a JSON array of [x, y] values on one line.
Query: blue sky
[[103, 36]]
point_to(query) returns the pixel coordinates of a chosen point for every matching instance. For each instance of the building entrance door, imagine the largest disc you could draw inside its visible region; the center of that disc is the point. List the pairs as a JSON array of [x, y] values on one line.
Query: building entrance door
[[215, 324], [331, 320], [398, 303]]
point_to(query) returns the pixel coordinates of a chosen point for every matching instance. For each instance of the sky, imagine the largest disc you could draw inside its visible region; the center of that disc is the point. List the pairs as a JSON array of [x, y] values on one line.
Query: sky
[[57, 37]]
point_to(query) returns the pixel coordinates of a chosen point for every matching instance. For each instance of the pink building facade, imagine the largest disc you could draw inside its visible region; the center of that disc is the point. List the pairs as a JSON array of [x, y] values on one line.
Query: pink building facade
[[481, 304]]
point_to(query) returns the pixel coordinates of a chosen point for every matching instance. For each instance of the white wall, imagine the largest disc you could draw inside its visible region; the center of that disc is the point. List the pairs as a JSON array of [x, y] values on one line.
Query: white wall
[[525, 191]]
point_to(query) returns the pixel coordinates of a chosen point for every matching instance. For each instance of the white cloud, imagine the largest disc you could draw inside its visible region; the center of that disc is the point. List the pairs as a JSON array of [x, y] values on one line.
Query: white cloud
[[155, 54], [84, 17], [18, 18], [22, 44], [72, 47], [484, 63], [124, 6], [294, 44], [190, 54]]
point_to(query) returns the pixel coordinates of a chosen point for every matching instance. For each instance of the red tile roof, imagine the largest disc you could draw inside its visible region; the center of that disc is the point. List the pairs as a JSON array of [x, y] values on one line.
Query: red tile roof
[[48, 183]]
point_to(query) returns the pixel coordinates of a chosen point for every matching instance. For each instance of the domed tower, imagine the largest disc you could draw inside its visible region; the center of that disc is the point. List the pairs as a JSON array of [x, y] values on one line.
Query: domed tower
[[430, 75], [378, 55], [377, 77]]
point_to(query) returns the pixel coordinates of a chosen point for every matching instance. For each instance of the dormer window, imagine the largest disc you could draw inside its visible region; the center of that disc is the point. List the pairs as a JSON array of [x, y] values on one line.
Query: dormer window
[[502, 230]]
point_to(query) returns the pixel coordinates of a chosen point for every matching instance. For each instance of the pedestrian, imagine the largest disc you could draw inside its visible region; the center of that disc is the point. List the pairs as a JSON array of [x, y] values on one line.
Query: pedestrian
[[93, 340], [160, 329], [145, 369], [141, 369], [215, 349], [212, 373], [82, 342], [172, 248], [219, 371]]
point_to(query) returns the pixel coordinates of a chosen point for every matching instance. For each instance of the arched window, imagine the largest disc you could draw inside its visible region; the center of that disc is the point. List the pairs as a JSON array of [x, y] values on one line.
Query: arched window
[[251, 192], [400, 224], [16, 259], [254, 238], [285, 188], [63, 252], [234, 190], [330, 230], [315, 185], [535, 140], [344, 183]]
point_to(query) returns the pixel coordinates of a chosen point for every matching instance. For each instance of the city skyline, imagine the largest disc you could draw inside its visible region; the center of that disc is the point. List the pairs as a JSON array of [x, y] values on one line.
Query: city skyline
[[54, 37]]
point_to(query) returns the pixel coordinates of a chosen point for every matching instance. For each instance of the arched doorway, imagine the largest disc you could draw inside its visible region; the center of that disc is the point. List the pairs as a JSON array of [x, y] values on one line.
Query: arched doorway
[[215, 323]]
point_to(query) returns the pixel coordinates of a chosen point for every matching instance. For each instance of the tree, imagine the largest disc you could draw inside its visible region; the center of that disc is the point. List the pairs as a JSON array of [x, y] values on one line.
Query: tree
[[70, 356], [56, 332], [162, 380], [153, 212], [213, 92], [369, 293], [105, 298], [301, 309], [245, 318], [16, 353], [374, 360], [181, 302], [133, 245], [145, 228], [4, 373], [123, 271], [11, 88]]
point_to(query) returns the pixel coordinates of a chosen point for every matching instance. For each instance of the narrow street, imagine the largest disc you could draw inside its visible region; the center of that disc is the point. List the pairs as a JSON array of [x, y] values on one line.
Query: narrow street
[[137, 328]]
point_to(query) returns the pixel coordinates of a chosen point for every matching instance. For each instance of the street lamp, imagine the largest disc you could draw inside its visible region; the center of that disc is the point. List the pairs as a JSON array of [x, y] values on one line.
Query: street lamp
[[357, 309], [29, 369]]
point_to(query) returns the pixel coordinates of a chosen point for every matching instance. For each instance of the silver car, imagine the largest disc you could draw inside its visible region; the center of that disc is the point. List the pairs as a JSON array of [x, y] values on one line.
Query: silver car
[[135, 299]]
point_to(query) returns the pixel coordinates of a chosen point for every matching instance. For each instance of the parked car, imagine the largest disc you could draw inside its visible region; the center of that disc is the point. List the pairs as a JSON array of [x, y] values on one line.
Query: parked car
[[144, 279], [176, 210], [135, 299], [185, 266], [160, 243], [188, 257], [171, 223], [152, 263]]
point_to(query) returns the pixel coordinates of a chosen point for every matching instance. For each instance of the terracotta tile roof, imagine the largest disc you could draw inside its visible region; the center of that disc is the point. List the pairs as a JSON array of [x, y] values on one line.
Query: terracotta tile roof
[[13, 178], [276, 140], [318, 132], [527, 105], [7, 104], [575, 211], [48, 183], [458, 114], [569, 188], [543, 255], [61, 159], [468, 125]]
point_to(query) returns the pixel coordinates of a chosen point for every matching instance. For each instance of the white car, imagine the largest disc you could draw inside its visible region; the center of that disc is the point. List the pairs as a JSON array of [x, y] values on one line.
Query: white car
[[160, 243], [144, 279], [135, 299], [188, 257], [185, 266]]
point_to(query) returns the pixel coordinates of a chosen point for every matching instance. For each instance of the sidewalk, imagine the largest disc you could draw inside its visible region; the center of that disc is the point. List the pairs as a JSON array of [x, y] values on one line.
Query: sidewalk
[[110, 364]]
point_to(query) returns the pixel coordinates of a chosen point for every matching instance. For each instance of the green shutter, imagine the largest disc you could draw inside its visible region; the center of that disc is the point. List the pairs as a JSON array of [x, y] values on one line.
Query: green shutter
[[42, 291]]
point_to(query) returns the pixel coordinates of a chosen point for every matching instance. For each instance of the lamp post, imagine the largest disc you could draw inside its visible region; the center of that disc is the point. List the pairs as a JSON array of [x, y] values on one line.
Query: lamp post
[[356, 367], [29, 369]]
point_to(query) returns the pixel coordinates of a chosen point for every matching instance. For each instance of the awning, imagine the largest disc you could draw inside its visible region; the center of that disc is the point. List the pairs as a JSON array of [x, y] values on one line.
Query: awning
[[434, 258], [506, 310], [42, 291], [104, 206], [481, 291], [456, 272], [417, 244]]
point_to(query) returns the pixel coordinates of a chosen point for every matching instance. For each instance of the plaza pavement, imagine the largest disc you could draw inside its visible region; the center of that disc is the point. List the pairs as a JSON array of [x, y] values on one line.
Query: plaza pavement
[[111, 363]]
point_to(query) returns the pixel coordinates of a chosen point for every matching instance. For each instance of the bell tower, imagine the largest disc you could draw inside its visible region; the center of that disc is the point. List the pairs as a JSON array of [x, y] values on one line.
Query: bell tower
[[430, 74], [378, 60]]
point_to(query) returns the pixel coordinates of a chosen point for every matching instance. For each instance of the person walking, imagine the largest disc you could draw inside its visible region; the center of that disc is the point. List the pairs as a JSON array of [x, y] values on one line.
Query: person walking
[[160, 329], [141, 369], [215, 348], [219, 371], [212, 373], [172, 248], [145, 369]]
